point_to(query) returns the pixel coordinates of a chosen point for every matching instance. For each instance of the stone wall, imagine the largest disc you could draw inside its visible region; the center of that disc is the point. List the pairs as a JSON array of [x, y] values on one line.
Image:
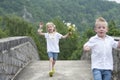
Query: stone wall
[[116, 58], [15, 54]]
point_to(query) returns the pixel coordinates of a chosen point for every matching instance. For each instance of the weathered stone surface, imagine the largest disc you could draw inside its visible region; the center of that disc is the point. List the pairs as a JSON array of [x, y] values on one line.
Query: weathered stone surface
[[65, 70], [15, 54]]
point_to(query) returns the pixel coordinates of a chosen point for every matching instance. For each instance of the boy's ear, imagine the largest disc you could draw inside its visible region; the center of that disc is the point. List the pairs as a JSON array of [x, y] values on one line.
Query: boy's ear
[[107, 29], [94, 29]]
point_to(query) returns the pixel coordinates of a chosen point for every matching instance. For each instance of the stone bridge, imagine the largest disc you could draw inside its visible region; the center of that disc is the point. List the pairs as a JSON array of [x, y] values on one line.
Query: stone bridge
[[19, 60]]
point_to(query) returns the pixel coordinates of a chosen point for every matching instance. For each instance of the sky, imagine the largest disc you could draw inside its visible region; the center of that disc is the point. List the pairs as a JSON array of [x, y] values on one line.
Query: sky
[[118, 1]]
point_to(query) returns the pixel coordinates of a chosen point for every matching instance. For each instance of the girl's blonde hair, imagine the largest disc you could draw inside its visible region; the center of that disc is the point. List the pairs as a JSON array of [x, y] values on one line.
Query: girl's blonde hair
[[101, 20], [51, 23]]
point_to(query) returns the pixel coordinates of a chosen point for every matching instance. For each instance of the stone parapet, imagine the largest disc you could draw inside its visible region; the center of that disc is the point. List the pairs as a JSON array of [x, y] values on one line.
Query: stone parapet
[[116, 70], [15, 54]]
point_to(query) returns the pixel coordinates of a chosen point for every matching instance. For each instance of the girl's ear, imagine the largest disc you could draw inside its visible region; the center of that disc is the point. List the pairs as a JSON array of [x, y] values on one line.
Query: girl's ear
[[54, 29]]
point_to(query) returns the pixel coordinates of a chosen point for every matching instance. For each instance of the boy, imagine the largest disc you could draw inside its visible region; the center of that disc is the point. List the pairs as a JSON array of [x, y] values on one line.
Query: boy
[[101, 46]]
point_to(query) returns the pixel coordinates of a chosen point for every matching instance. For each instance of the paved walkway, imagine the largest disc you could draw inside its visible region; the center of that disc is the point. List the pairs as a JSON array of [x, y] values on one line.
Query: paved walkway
[[65, 70]]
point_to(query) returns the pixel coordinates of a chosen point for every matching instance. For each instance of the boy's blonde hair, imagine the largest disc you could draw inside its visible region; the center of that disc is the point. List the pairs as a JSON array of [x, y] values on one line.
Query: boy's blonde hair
[[51, 23], [101, 20]]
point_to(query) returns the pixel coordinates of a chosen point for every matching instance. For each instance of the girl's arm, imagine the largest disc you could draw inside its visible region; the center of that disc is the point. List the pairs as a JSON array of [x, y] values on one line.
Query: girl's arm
[[40, 29], [65, 36]]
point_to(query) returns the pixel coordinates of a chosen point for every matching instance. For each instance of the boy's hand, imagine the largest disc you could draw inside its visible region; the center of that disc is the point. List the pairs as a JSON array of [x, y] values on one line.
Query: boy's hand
[[86, 48], [119, 43]]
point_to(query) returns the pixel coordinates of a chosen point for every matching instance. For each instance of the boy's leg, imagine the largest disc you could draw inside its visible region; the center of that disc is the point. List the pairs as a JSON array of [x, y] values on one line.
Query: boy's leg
[[97, 74], [107, 74]]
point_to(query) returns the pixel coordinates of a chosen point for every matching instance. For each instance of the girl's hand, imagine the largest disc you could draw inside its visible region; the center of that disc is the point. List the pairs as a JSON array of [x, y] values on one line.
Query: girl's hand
[[70, 33], [41, 25]]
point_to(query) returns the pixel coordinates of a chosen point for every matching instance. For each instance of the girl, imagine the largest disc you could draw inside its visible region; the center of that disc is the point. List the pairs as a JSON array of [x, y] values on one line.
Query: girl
[[52, 39]]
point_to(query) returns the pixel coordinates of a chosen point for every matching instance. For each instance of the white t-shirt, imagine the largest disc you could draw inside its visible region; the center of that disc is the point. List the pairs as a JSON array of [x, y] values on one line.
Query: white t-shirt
[[53, 41], [101, 56]]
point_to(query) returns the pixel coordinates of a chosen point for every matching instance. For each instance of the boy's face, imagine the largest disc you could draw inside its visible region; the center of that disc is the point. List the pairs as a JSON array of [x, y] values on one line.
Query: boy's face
[[101, 29]]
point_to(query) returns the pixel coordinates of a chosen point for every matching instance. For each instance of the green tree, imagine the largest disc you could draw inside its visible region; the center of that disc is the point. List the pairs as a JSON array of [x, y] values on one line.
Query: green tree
[[113, 29], [15, 26]]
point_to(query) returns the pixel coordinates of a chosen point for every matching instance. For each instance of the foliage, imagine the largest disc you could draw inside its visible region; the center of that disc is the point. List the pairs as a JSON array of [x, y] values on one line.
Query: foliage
[[113, 29], [71, 48], [16, 26], [80, 12], [2, 34]]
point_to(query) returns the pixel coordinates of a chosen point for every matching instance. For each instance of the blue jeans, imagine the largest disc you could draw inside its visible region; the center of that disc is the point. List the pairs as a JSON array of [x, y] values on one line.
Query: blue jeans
[[101, 74], [53, 55]]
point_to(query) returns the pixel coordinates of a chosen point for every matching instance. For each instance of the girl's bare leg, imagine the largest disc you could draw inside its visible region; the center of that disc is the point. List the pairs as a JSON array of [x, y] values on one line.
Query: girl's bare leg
[[51, 64]]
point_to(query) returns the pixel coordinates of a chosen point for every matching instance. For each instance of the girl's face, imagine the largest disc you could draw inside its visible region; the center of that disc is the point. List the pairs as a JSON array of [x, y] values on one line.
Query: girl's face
[[50, 28], [101, 30]]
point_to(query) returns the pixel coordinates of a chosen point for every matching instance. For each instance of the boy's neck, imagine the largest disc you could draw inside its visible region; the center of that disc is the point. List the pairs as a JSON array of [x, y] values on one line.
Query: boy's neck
[[102, 37]]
